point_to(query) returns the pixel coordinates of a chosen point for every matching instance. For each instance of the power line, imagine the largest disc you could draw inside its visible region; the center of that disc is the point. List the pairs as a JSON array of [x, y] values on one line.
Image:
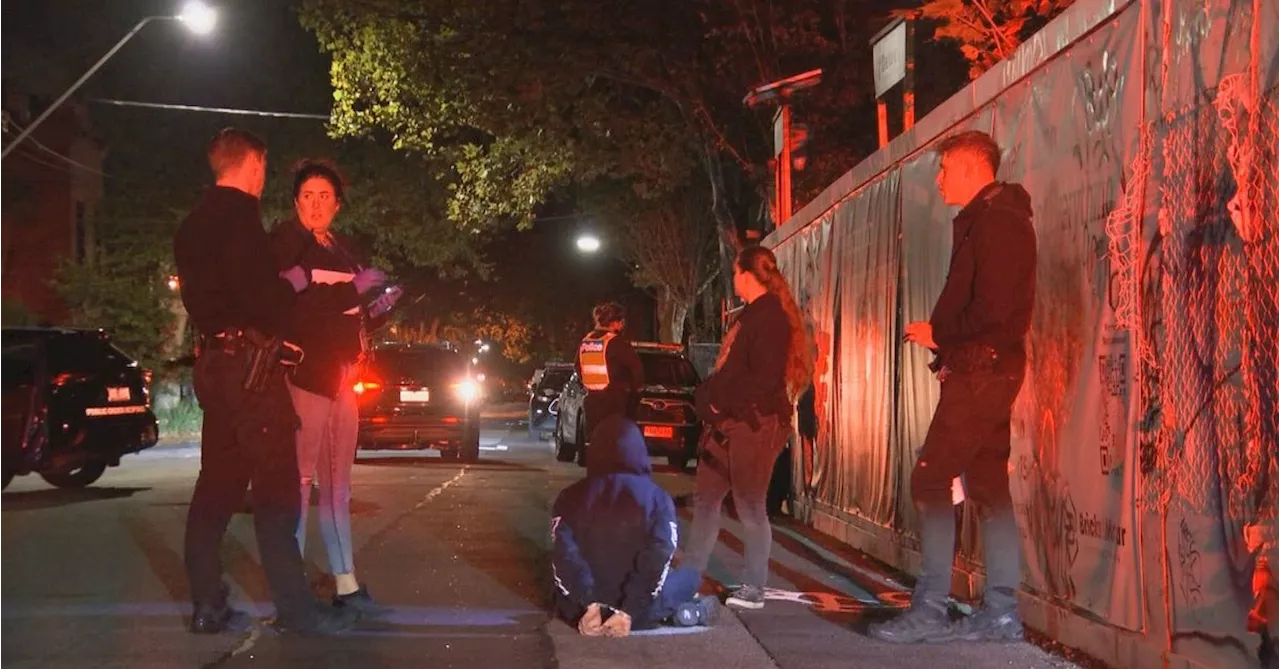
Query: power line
[[215, 110], [42, 147]]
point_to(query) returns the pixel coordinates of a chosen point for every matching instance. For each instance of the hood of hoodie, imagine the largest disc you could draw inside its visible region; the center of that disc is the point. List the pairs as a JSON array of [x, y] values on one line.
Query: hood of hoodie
[[617, 447], [998, 196]]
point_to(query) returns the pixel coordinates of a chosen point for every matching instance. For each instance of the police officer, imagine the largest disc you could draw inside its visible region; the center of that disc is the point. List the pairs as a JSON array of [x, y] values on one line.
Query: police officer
[[609, 367], [240, 305]]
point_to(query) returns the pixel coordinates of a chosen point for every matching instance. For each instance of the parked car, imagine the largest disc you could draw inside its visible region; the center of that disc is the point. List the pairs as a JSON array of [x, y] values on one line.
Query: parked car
[[74, 404], [665, 410], [544, 390], [420, 396]]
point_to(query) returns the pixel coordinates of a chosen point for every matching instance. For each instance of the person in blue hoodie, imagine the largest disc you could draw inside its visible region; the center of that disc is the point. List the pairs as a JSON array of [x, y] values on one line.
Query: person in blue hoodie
[[615, 534]]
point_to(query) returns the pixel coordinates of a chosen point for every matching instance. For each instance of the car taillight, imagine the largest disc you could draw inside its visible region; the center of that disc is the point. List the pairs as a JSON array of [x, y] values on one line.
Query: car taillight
[[363, 387]]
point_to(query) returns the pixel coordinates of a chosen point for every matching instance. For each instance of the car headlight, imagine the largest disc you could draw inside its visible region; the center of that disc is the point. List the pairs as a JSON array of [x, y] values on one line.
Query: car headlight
[[468, 390]]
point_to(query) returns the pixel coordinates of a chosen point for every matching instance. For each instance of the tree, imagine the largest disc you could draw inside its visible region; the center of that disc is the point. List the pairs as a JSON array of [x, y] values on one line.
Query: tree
[[988, 31], [671, 251], [526, 97]]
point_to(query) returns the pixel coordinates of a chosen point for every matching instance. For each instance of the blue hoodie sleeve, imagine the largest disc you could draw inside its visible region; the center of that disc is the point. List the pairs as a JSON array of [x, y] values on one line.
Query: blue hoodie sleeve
[[569, 571], [654, 562]]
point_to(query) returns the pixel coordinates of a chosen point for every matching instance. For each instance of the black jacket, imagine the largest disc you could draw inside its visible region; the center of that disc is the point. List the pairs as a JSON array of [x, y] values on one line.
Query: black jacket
[[614, 532], [227, 277], [753, 379], [330, 338], [991, 284]]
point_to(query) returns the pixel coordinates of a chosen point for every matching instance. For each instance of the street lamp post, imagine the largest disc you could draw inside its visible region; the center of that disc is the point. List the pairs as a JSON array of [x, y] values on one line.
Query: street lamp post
[[197, 16]]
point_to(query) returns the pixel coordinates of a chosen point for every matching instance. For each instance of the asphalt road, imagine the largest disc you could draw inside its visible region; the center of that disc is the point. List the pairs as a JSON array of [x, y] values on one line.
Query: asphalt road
[[459, 552]]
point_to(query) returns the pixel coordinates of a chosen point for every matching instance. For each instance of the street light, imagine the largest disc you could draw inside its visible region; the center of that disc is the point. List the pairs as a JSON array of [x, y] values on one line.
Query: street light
[[588, 243], [197, 16]]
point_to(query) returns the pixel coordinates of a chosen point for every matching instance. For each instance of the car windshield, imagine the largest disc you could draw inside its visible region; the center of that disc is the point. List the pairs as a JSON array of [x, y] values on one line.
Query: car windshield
[[663, 369], [76, 353], [426, 366], [555, 378]]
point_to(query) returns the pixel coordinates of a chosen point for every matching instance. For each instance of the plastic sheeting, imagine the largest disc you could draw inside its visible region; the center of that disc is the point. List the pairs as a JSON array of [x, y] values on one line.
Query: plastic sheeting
[[1142, 132]]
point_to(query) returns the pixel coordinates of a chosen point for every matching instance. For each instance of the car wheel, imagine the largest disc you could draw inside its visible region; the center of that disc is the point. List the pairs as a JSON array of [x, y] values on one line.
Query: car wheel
[[76, 478], [679, 462], [562, 450]]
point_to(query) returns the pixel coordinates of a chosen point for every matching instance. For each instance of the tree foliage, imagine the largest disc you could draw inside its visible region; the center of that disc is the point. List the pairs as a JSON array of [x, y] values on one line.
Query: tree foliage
[[988, 31], [526, 98]]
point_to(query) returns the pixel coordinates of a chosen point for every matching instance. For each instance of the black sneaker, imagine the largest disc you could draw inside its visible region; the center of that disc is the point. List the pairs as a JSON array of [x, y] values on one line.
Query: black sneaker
[[360, 600], [921, 624], [216, 620], [701, 611], [747, 597], [219, 617], [988, 625], [324, 621]]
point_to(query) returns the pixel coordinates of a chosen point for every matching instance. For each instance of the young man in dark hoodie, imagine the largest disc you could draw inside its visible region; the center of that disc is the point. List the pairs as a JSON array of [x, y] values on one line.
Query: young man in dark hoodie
[[615, 535], [977, 330]]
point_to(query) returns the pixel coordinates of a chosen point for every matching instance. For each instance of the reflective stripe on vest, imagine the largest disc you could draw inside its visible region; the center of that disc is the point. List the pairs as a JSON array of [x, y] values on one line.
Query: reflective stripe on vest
[[591, 357]]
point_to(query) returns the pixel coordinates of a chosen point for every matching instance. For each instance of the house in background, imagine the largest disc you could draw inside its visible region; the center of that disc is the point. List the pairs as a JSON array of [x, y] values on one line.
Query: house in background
[[50, 188]]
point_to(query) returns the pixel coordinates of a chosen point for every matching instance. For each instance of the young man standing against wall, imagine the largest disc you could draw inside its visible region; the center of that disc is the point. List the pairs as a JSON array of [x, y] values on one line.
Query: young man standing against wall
[[977, 331]]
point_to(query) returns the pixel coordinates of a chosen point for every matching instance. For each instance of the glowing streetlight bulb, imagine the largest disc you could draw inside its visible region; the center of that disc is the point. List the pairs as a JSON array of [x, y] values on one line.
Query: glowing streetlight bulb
[[199, 17], [588, 243]]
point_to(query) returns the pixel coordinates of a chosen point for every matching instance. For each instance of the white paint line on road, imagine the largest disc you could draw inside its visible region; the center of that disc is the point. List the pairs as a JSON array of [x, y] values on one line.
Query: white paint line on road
[[439, 489], [247, 645]]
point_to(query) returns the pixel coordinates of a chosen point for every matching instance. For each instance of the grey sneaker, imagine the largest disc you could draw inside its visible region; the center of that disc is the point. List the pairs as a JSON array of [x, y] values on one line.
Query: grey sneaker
[[988, 625], [922, 624], [747, 597]]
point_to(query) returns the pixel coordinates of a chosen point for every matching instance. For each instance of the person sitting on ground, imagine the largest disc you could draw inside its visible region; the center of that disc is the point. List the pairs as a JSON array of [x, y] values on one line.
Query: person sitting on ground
[[615, 534]]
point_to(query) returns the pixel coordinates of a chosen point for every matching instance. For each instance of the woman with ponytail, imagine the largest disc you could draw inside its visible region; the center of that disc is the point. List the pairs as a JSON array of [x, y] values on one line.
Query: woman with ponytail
[[765, 363]]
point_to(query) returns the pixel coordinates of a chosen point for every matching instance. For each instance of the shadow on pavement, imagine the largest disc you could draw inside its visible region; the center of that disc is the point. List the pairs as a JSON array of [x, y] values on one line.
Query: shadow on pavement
[[33, 500]]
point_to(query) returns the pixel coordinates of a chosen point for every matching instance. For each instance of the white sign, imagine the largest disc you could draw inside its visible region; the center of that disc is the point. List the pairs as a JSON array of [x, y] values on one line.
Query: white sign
[[890, 54]]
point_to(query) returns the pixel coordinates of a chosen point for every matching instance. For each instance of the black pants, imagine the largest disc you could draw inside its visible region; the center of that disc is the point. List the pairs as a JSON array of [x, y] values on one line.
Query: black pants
[[969, 435], [246, 437], [600, 405]]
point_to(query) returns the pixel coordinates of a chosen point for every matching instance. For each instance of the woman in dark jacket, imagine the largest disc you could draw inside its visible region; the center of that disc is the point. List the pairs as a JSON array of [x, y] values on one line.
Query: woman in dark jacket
[[747, 402], [323, 385]]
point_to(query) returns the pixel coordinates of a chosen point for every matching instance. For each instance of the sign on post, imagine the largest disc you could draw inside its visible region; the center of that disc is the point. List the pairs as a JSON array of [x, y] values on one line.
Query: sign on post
[[889, 49]]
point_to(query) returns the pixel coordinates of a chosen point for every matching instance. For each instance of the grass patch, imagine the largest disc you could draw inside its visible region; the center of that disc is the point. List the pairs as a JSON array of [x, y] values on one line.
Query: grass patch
[[181, 422]]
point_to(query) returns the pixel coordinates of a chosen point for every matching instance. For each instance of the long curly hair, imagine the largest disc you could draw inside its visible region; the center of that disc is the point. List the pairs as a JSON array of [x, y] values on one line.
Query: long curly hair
[[763, 265]]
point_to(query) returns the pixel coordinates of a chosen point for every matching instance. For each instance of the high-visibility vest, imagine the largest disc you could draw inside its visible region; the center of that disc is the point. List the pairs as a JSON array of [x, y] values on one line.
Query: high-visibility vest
[[592, 360]]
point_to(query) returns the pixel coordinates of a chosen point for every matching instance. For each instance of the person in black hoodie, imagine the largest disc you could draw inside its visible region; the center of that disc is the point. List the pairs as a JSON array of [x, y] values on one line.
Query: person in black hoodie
[[977, 330], [614, 534], [323, 385], [765, 361]]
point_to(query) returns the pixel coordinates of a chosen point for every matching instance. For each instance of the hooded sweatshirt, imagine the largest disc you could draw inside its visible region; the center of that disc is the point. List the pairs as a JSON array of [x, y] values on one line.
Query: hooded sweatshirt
[[614, 532], [991, 284]]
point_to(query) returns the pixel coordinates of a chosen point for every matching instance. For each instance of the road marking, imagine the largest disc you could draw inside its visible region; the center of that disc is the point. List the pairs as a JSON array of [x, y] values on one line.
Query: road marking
[[496, 447], [439, 489]]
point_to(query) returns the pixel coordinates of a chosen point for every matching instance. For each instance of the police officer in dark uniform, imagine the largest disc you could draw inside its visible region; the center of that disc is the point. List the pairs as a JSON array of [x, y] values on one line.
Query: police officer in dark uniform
[[240, 305], [609, 367]]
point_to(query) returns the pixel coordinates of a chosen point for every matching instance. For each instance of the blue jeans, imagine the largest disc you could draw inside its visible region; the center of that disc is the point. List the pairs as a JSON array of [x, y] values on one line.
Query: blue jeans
[[326, 444]]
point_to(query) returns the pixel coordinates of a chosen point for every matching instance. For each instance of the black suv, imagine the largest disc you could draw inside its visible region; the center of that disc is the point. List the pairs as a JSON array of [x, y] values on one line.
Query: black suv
[[74, 404], [420, 396], [665, 411], [544, 390]]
